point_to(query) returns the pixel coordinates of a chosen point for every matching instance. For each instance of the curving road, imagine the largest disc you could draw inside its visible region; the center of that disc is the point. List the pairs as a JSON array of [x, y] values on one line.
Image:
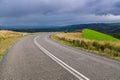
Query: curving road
[[40, 58]]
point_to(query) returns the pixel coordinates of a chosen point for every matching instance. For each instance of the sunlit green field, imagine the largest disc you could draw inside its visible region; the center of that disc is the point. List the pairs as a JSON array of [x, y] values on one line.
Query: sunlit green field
[[94, 35]]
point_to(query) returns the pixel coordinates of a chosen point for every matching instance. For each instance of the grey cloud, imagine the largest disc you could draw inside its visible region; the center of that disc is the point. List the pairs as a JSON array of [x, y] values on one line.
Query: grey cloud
[[26, 7], [55, 11]]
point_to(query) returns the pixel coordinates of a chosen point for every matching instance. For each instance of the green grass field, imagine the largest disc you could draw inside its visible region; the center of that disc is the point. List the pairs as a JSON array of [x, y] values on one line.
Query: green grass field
[[94, 35]]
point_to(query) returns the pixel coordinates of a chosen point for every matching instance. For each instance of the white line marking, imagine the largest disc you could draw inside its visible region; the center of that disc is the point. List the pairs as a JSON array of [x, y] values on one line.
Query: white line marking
[[60, 62]]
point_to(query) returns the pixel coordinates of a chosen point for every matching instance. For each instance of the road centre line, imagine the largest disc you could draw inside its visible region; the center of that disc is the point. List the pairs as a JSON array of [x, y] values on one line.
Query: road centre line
[[60, 62]]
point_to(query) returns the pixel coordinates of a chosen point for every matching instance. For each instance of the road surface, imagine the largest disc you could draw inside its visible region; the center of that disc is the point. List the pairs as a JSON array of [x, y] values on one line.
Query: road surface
[[40, 58]]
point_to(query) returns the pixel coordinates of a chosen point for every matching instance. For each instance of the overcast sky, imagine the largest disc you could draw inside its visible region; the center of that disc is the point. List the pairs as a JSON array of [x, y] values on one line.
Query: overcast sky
[[58, 12]]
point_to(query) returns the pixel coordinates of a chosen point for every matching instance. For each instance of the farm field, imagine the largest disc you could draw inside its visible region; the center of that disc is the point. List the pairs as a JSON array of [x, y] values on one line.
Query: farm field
[[94, 35]]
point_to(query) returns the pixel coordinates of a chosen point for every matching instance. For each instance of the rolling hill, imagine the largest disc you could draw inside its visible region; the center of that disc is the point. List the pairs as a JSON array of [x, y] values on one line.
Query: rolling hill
[[112, 29], [94, 35]]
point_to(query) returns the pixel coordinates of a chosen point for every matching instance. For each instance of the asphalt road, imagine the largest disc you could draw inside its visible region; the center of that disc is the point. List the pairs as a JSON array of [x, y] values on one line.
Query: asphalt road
[[40, 58]]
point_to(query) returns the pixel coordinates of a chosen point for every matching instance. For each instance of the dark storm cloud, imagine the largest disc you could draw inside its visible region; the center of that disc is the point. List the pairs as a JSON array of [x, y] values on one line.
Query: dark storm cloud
[[57, 11], [13, 8], [24, 7]]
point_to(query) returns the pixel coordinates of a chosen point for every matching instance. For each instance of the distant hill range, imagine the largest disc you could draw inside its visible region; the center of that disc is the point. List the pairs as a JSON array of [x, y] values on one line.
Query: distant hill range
[[107, 28]]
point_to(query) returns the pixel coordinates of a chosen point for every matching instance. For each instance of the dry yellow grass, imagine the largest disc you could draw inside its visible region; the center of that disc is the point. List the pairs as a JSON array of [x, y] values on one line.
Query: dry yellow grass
[[7, 38], [70, 36], [8, 34]]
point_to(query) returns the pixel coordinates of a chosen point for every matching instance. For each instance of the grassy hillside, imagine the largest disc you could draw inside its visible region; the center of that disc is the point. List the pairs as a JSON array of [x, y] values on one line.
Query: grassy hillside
[[91, 41], [107, 28], [95, 35], [112, 29], [7, 38]]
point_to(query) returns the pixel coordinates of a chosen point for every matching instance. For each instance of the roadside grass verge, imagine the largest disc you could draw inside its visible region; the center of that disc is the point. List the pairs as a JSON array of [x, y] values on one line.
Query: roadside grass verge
[[7, 38], [104, 48]]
